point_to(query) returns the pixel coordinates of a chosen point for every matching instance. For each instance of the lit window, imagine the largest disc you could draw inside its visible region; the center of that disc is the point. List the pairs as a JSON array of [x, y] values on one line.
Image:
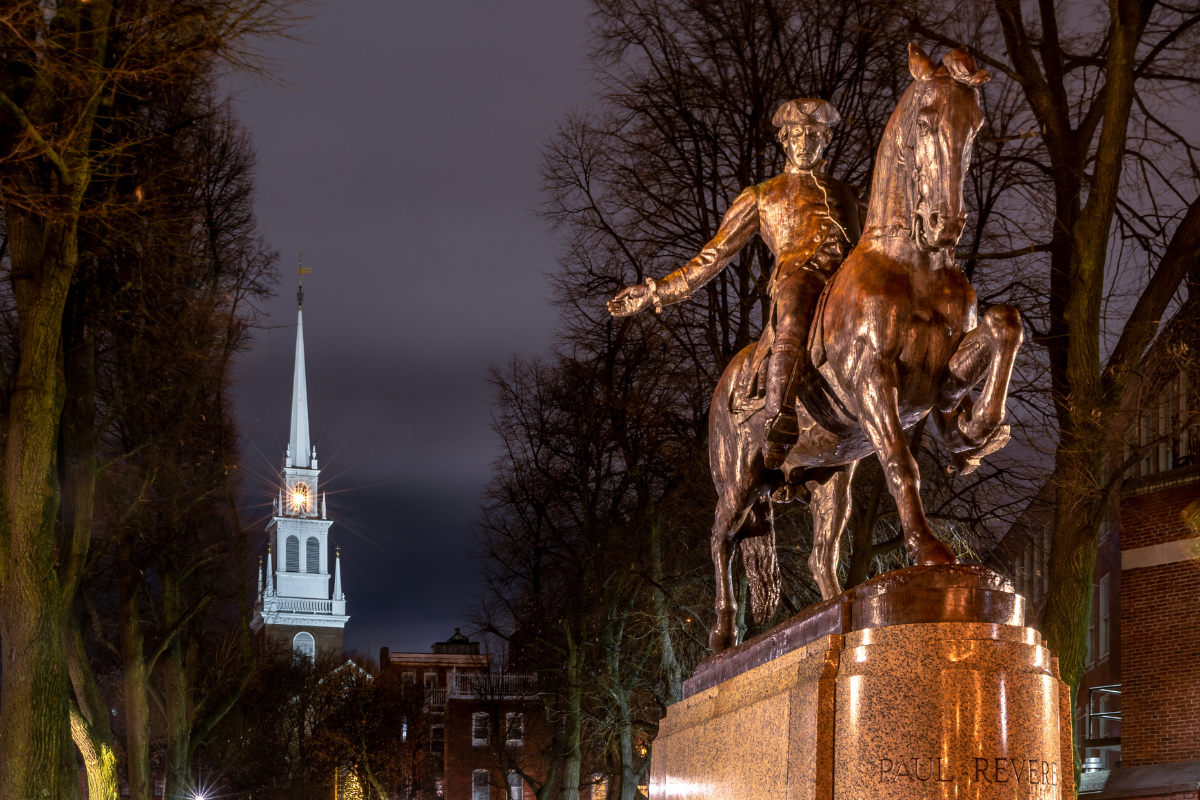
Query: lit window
[[404, 731], [479, 785], [479, 729], [1104, 618], [300, 497], [514, 723], [304, 647], [516, 786], [599, 787]]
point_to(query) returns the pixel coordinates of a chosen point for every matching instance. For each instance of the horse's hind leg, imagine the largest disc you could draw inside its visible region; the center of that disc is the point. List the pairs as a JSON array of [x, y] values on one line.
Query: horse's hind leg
[[830, 506], [975, 429]]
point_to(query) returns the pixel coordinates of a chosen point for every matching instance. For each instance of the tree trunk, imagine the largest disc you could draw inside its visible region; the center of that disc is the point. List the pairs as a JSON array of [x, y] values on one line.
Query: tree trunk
[[137, 705], [34, 699], [90, 727], [672, 672], [574, 726]]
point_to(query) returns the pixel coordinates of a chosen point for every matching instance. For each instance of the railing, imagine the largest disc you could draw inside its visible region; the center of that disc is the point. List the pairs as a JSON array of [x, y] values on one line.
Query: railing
[[492, 686], [302, 606], [435, 697]]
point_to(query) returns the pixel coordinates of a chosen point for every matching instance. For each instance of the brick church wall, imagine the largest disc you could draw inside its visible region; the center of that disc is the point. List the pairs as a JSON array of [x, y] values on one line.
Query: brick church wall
[[328, 640], [1160, 635]]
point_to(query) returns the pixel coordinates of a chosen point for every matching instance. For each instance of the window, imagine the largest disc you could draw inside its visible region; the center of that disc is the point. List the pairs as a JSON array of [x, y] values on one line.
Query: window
[[514, 723], [479, 785], [431, 680], [1104, 618], [304, 647], [516, 786], [404, 730], [410, 679], [439, 787], [312, 555], [1091, 635], [479, 728], [599, 787], [437, 739], [292, 550]]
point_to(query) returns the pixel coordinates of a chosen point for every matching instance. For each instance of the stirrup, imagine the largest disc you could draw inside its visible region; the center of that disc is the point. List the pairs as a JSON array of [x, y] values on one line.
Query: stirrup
[[783, 428]]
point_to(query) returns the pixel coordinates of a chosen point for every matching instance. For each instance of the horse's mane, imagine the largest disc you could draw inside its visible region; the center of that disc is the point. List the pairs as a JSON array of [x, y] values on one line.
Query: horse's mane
[[893, 172]]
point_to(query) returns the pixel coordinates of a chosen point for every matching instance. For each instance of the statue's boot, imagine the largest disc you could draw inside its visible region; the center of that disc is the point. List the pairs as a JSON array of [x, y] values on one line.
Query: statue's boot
[[781, 427]]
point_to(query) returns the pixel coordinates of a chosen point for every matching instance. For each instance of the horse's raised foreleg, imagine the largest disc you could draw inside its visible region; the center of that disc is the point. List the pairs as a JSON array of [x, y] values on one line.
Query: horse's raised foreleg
[[972, 430], [830, 507], [880, 420]]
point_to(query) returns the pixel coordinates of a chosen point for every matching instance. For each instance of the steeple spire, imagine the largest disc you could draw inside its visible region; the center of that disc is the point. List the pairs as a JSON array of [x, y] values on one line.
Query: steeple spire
[[300, 447]]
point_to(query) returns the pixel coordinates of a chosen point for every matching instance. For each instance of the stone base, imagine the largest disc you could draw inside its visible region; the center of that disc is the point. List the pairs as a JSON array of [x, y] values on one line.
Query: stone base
[[935, 709]]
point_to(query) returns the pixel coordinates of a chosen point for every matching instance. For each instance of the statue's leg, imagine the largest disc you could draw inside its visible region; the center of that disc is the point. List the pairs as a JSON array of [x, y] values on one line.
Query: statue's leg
[[991, 350], [794, 300], [830, 506], [880, 420]]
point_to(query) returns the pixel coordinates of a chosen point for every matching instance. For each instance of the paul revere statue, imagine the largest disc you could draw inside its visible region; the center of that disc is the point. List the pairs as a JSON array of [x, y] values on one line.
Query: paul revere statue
[[810, 222]]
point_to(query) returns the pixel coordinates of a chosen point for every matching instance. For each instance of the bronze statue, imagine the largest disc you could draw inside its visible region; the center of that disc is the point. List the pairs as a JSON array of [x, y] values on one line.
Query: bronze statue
[[809, 221], [895, 335]]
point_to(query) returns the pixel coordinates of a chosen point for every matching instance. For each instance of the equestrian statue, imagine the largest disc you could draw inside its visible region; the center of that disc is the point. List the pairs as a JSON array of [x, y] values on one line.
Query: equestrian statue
[[868, 332]]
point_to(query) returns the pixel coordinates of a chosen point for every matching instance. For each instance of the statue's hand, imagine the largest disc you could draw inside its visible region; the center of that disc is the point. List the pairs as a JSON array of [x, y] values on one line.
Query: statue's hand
[[630, 300]]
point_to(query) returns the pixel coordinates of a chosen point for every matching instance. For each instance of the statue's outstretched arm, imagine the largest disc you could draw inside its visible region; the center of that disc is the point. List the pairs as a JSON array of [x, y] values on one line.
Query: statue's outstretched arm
[[738, 225]]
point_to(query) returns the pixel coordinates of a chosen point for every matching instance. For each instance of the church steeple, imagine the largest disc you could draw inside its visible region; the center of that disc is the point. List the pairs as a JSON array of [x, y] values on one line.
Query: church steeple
[[295, 604]]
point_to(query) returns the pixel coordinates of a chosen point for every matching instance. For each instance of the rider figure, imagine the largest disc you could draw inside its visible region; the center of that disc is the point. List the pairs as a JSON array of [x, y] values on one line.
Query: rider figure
[[810, 222]]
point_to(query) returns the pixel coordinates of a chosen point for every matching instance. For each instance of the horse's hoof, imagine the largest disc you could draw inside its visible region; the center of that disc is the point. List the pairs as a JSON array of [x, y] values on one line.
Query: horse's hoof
[[719, 641], [934, 552]]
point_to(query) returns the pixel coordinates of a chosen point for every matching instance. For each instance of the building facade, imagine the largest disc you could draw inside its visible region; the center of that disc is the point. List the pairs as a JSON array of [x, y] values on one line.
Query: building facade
[[1138, 707], [295, 606], [480, 735]]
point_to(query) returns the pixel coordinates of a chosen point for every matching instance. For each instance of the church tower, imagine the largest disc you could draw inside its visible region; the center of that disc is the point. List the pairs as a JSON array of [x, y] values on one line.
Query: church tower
[[294, 603]]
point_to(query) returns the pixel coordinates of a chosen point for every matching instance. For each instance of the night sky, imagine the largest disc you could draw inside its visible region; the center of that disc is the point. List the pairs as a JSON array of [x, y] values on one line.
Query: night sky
[[401, 156]]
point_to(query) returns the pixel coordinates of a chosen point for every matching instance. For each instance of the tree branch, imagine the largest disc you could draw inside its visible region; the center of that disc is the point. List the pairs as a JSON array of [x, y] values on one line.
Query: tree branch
[[47, 149]]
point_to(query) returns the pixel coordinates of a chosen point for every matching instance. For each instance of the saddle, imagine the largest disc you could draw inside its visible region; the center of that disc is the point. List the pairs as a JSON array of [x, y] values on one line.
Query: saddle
[[812, 390]]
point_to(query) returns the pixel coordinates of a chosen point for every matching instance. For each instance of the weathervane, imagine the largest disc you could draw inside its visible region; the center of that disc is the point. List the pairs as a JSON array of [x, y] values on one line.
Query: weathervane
[[301, 273]]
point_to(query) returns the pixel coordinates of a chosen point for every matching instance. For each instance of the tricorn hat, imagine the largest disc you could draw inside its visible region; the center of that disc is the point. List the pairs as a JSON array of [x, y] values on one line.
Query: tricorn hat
[[806, 112]]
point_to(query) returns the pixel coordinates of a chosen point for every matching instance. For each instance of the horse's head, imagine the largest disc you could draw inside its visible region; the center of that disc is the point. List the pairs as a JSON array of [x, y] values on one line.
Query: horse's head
[[934, 126]]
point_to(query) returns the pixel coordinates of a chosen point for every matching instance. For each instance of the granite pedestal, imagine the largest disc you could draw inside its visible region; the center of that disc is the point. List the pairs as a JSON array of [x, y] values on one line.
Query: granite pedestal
[[923, 683]]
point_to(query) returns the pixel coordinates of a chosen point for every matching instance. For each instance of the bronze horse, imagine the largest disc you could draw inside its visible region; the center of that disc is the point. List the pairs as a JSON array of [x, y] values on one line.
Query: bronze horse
[[895, 337]]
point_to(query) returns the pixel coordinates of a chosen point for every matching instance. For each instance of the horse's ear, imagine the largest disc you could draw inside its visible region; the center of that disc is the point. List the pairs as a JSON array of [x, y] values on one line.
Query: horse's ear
[[918, 63], [962, 67]]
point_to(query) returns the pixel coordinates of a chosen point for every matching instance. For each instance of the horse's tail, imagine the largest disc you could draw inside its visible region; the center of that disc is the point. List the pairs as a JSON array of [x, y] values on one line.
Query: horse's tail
[[762, 573]]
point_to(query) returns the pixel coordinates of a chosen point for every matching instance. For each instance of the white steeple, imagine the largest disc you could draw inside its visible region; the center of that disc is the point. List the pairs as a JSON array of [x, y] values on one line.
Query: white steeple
[[299, 447], [295, 593]]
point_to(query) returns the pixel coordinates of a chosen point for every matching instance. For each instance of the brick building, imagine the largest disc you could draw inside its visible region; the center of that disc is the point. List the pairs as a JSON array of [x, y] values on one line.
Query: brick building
[[1138, 707], [480, 734]]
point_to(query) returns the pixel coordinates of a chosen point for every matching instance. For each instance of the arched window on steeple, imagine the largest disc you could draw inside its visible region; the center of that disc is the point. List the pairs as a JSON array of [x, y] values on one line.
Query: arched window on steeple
[[304, 647], [312, 555], [292, 562]]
